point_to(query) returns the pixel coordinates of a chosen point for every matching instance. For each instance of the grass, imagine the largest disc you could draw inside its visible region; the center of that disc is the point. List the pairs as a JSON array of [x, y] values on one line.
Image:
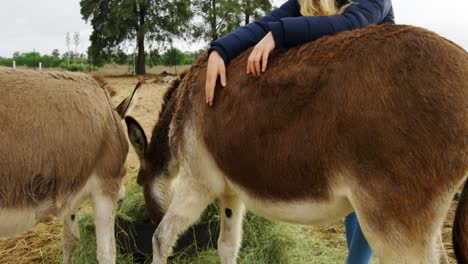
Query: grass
[[264, 242]]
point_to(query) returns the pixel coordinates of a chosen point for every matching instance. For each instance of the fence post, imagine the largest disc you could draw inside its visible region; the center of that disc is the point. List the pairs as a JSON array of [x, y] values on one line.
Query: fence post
[[40, 66], [134, 64], [14, 64]]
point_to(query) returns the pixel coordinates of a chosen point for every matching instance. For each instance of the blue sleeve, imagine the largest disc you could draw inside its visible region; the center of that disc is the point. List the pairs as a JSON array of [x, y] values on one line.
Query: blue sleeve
[[292, 31], [239, 40]]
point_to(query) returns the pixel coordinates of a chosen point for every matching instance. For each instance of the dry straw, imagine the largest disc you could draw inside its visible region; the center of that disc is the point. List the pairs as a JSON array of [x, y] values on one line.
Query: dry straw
[[40, 245]]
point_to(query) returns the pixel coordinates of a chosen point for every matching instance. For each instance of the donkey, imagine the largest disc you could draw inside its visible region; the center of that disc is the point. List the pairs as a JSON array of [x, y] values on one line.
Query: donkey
[[61, 141], [373, 121]]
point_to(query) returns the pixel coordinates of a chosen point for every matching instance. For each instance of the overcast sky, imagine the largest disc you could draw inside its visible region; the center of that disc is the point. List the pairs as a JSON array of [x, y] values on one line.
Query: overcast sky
[[42, 25]]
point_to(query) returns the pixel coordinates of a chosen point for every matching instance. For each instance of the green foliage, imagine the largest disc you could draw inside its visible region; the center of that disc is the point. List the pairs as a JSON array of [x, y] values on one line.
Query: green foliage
[[153, 58], [6, 61], [220, 17], [76, 67], [174, 57], [31, 59], [120, 57], [253, 9], [116, 21]]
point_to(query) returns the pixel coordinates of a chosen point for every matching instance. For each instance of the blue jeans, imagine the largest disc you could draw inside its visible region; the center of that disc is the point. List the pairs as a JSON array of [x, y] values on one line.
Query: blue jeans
[[359, 250]]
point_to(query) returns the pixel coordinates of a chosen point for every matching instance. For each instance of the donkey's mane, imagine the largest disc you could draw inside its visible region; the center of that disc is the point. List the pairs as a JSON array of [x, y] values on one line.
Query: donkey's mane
[[170, 91], [158, 149], [104, 84]]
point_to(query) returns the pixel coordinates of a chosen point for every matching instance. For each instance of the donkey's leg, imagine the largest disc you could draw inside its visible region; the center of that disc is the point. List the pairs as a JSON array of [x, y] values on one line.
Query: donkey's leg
[[121, 192], [104, 215], [189, 201], [230, 237], [71, 236], [398, 238]]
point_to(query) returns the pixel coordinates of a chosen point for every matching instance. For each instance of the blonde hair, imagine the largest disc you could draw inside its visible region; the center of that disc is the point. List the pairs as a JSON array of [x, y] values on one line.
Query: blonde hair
[[320, 7]]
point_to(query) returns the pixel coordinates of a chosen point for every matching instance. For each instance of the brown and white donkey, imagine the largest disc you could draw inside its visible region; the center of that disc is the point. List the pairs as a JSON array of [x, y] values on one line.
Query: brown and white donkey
[[61, 141], [373, 121]]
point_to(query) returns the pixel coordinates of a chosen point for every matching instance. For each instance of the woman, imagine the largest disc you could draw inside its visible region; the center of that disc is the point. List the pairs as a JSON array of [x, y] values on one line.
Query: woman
[[297, 22]]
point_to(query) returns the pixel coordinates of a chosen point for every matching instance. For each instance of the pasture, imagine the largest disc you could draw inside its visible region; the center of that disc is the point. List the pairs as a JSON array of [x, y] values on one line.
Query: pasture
[[263, 242]]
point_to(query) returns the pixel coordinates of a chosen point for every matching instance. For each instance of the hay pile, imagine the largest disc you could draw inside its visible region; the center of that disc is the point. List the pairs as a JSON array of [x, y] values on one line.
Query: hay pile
[[41, 245]]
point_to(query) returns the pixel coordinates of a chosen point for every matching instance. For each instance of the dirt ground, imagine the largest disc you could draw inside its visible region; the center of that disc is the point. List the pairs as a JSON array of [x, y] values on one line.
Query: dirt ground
[[146, 112]]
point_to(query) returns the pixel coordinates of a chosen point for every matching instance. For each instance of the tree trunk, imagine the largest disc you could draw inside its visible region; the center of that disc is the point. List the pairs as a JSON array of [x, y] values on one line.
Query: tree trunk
[[213, 24], [140, 65], [247, 12]]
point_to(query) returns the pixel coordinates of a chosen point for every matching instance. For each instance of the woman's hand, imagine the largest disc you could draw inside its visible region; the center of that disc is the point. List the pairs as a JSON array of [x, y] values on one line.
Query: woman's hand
[[215, 68], [258, 59]]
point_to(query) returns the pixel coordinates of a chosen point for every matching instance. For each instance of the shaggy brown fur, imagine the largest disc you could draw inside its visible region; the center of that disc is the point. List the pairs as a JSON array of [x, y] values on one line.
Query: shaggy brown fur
[[382, 110], [55, 130]]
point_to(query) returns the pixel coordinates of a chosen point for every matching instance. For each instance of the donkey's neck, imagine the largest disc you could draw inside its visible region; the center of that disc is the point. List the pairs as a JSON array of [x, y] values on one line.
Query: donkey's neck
[[158, 153]]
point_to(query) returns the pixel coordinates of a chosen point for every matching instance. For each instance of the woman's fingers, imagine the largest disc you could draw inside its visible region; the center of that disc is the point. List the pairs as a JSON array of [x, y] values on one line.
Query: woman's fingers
[[257, 62], [222, 74], [265, 61], [210, 85], [215, 68], [211, 78], [258, 59], [250, 62]]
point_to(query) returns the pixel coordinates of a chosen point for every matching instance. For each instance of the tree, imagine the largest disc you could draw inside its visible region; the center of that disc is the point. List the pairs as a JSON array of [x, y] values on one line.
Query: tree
[[154, 57], [76, 42], [115, 21], [252, 9], [222, 16], [218, 18], [67, 42], [55, 53], [120, 57]]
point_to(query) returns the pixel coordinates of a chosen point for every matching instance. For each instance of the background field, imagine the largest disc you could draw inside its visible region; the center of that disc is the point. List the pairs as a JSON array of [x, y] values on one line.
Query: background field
[[264, 241]]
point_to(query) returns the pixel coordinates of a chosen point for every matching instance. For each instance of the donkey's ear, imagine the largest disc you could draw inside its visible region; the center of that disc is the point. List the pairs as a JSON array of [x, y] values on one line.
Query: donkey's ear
[[128, 102], [137, 136]]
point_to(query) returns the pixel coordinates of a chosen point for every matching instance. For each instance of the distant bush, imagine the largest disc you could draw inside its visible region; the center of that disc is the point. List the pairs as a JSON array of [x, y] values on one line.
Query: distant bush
[[72, 62], [6, 62], [175, 56], [77, 67], [32, 59]]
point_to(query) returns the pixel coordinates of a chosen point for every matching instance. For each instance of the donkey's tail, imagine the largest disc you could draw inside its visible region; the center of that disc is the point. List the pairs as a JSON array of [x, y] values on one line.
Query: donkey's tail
[[460, 228]]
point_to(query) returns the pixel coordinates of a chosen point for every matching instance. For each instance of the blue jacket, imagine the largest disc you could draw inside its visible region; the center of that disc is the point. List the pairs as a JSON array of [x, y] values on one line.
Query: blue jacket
[[290, 28]]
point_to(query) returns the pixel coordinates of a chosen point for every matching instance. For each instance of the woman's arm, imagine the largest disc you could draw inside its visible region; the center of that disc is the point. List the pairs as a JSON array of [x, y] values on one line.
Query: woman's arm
[[292, 31], [228, 47], [239, 40]]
